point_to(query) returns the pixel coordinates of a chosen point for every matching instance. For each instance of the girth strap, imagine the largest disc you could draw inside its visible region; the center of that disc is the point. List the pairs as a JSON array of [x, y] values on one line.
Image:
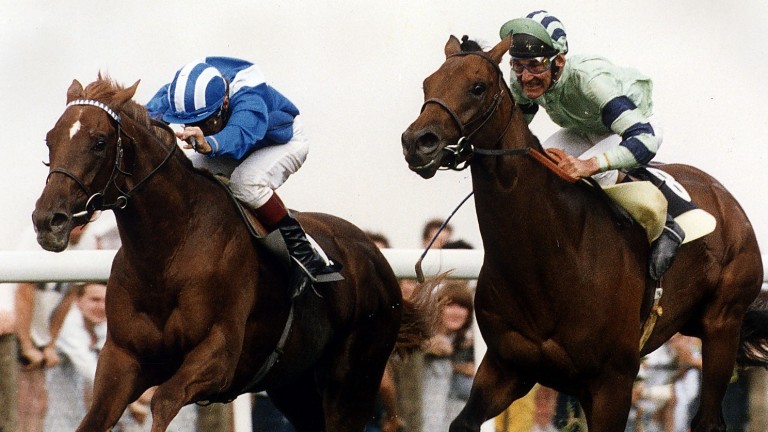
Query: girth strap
[[274, 356]]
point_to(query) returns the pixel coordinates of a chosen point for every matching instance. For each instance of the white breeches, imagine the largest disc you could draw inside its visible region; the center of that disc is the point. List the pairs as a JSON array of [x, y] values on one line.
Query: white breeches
[[586, 145], [254, 179]]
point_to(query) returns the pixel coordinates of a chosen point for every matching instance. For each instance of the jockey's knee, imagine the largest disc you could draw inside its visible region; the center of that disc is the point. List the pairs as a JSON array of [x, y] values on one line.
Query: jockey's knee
[[253, 193]]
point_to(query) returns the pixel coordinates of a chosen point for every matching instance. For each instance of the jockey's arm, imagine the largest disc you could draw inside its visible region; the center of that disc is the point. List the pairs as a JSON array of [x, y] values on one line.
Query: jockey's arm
[[621, 115]]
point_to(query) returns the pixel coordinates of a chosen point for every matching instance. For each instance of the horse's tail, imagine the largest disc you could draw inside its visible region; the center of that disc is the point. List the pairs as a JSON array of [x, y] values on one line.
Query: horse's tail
[[753, 349], [421, 314]]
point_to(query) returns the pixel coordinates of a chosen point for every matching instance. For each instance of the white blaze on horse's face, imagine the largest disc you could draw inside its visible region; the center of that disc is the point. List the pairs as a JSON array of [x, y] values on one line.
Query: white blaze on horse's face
[[74, 129]]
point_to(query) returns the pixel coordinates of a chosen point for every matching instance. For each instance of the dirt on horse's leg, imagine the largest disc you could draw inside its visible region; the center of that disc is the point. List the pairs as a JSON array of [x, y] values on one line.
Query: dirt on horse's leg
[[117, 384], [493, 390]]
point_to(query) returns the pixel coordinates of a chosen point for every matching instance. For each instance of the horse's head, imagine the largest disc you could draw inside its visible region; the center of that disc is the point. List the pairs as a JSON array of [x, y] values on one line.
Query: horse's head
[[84, 153], [460, 98]]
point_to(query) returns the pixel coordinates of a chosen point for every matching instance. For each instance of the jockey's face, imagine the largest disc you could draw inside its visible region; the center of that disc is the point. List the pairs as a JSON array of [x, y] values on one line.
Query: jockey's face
[[535, 74], [215, 122]]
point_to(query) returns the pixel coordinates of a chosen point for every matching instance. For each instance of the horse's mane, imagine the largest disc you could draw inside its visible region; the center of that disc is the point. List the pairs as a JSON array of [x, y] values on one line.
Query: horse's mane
[[104, 89]]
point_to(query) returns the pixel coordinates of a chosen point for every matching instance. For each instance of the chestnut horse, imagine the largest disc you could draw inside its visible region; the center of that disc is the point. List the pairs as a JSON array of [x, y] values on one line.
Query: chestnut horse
[[560, 296], [195, 304]]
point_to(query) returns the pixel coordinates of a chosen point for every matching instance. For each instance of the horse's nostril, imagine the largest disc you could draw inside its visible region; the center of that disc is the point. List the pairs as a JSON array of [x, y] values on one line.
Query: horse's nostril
[[427, 141], [58, 220]]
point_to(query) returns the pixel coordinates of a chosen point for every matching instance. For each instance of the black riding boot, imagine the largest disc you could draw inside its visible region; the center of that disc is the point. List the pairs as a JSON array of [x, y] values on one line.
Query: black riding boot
[[664, 248], [303, 254]]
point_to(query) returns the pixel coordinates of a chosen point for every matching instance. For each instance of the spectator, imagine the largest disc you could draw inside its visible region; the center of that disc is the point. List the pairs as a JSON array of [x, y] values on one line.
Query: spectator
[[8, 362], [82, 336], [545, 404], [380, 240], [758, 392], [687, 380], [457, 244], [432, 231], [464, 357], [448, 358], [667, 388], [35, 303]]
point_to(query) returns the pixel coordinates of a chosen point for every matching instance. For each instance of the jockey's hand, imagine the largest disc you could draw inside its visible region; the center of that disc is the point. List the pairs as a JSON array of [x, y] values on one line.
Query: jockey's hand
[[194, 132], [578, 168]]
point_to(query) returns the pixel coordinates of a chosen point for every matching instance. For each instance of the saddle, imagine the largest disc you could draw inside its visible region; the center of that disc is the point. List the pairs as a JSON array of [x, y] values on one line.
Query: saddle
[[644, 203], [273, 241]]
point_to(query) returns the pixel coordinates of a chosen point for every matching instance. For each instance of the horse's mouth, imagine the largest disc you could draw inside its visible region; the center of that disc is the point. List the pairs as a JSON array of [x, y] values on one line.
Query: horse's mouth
[[53, 241], [52, 230], [426, 170], [426, 164]]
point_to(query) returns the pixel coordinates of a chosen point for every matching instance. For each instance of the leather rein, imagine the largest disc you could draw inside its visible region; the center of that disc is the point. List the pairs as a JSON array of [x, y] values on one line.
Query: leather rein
[[460, 154], [95, 200]]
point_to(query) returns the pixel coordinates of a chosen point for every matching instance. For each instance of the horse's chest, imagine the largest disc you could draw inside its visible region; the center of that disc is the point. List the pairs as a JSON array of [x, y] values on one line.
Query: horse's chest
[[154, 328], [528, 343]]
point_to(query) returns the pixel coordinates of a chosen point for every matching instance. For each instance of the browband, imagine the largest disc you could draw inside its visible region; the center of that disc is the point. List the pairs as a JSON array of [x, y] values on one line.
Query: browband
[[97, 104]]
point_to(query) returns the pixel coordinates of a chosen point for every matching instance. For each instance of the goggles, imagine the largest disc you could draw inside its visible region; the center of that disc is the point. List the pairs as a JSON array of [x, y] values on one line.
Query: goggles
[[534, 65], [211, 122]]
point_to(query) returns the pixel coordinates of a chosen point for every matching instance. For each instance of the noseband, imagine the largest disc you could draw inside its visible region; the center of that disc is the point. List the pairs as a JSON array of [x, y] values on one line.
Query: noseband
[[461, 152], [95, 200]]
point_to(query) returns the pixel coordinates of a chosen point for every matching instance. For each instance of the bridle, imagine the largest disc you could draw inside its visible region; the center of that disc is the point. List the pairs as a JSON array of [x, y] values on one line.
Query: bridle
[[95, 200], [461, 152]]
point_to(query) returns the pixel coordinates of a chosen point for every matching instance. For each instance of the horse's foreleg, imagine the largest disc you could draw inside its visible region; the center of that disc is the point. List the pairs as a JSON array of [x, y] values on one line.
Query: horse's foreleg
[[493, 390], [117, 384], [206, 370]]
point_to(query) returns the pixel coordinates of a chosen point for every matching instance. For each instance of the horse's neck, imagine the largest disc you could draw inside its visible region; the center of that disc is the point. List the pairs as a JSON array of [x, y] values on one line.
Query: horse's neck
[[516, 197], [168, 204]]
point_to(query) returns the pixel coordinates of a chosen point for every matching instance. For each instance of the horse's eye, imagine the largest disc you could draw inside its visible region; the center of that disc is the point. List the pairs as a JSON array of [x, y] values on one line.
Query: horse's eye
[[478, 89], [99, 143]]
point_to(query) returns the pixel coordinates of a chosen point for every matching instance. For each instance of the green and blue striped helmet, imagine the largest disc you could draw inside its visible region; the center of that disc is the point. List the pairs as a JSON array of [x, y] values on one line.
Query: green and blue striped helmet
[[538, 34]]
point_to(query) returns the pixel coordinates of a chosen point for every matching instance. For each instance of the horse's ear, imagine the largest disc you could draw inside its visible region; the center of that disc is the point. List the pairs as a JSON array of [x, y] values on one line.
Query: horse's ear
[[500, 49], [75, 91], [126, 94], [452, 47]]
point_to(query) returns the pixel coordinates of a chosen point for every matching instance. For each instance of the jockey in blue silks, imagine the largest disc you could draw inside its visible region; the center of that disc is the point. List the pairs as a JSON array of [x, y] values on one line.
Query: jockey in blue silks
[[241, 127]]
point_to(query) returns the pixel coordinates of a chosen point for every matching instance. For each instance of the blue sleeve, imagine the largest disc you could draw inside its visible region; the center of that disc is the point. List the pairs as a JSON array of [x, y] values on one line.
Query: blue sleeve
[[159, 105], [245, 129]]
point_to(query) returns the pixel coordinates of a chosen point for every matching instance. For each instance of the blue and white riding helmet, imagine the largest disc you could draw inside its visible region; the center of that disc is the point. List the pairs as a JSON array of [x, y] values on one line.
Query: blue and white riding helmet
[[196, 92]]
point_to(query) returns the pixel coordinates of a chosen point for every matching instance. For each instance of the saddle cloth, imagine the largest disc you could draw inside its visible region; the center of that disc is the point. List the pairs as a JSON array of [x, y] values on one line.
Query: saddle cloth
[[647, 205]]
